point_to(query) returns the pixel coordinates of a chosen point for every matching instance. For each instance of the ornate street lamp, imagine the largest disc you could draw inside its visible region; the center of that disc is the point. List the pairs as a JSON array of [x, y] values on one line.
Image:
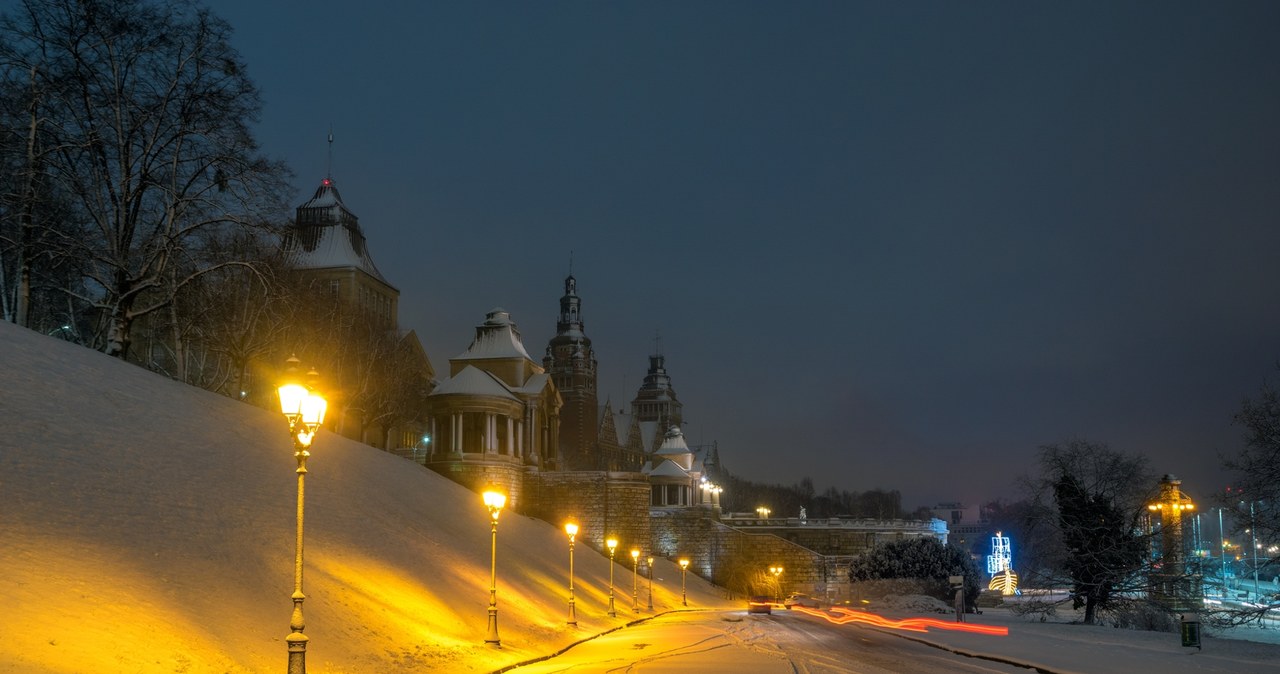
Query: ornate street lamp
[[684, 566], [612, 544], [493, 500], [635, 580], [777, 572], [571, 528], [304, 409], [650, 562]]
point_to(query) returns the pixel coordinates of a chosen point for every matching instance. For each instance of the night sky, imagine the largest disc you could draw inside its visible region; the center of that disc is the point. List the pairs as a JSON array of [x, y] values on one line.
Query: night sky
[[895, 245]]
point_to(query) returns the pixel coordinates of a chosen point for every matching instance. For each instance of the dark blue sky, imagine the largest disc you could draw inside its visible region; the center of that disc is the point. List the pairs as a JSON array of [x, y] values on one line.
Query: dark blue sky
[[893, 245]]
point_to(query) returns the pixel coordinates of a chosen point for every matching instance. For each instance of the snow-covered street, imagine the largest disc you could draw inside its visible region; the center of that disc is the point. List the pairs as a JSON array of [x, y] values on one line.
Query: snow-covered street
[[786, 642], [792, 642]]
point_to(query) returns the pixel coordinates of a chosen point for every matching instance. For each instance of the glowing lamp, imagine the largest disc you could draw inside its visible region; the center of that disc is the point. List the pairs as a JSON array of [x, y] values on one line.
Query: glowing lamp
[[571, 528], [494, 500]]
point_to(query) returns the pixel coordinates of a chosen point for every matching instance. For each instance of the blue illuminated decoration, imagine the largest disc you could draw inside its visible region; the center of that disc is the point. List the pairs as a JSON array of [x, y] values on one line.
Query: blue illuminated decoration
[[1001, 556]]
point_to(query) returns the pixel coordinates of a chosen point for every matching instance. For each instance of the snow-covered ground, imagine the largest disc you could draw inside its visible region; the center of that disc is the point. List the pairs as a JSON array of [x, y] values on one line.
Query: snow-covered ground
[[146, 526]]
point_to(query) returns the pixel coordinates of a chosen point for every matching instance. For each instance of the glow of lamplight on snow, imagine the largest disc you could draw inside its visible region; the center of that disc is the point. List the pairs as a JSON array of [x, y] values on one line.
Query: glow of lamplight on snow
[[844, 616]]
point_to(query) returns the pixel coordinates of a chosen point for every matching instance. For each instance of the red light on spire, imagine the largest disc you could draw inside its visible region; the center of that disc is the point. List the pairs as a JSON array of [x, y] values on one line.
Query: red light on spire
[[326, 181]]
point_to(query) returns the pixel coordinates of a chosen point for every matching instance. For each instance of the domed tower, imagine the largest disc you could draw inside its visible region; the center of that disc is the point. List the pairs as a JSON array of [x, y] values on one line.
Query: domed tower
[[571, 364]]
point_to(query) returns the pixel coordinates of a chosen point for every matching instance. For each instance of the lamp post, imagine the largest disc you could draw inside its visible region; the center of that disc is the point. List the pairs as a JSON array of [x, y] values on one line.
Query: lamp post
[[777, 573], [763, 512], [571, 528], [1253, 540], [1222, 552], [612, 544], [635, 580], [684, 566], [304, 409], [493, 500], [650, 562]]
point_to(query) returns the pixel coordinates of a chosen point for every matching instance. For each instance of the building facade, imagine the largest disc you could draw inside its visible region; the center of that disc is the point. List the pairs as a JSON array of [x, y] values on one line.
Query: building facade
[[496, 417]]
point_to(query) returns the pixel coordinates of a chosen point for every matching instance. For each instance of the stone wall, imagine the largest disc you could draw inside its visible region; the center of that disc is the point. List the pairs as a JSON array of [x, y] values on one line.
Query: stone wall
[[602, 503], [738, 560], [503, 472]]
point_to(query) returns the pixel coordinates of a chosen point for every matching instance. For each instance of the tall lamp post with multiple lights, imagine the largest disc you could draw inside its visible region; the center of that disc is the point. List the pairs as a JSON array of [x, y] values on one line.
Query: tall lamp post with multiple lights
[[635, 580], [493, 500], [1171, 584], [612, 544], [304, 409], [571, 528], [684, 596], [650, 562]]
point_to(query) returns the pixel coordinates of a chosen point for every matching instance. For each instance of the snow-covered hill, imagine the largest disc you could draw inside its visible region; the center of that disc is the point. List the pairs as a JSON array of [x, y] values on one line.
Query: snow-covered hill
[[147, 526]]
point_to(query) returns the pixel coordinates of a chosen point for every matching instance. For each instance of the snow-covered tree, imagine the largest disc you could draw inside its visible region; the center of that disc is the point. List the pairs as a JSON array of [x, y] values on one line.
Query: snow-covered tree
[[925, 559]]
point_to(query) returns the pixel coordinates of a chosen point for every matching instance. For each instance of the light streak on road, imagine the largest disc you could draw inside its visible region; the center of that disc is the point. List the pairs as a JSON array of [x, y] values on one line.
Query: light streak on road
[[844, 616]]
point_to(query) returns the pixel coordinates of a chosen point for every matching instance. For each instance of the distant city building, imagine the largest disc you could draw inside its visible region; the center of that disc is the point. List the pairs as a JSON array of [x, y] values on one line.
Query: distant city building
[[968, 524]]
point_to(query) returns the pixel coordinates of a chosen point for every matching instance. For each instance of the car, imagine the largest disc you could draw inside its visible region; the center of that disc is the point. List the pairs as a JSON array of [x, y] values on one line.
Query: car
[[800, 599], [760, 604]]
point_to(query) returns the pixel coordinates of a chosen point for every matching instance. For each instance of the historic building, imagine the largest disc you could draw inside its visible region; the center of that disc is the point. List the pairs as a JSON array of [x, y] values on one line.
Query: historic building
[[540, 433], [656, 405], [496, 418], [572, 366], [677, 478], [328, 246], [327, 251]]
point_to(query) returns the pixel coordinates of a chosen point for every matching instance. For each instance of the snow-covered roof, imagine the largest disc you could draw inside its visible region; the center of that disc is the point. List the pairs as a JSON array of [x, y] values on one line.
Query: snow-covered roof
[[669, 468], [673, 443], [648, 432], [327, 235], [535, 384], [622, 426], [473, 381], [496, 338]]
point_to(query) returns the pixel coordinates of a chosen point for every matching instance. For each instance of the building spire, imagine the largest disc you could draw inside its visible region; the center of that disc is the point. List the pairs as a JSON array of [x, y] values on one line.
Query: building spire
[[328, 172]]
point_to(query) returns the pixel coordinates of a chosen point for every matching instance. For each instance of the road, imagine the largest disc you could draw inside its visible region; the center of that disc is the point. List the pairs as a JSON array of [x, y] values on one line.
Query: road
[[733, 642]]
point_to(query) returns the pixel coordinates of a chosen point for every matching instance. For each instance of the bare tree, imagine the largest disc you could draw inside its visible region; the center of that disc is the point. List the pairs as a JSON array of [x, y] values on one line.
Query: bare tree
[[145, 108], [1256, 496], [1257, 464]]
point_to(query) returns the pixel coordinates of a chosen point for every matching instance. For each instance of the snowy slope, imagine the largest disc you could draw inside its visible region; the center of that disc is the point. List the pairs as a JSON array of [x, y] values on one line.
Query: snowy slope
[[147, 526]]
